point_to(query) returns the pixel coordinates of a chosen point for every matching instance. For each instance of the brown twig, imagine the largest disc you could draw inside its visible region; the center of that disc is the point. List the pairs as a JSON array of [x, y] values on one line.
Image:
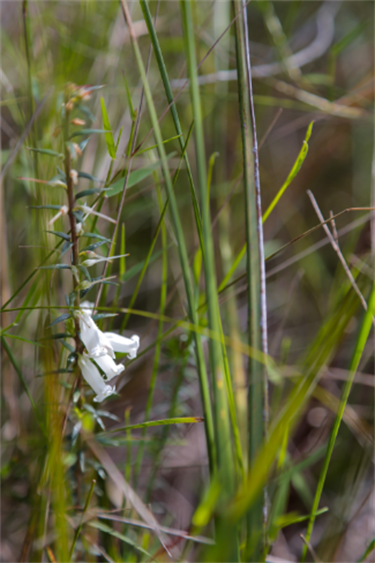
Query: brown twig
[[337, 249]]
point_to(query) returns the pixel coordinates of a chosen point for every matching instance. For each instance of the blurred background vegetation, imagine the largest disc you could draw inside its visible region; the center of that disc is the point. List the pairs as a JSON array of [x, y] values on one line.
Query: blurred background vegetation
[[47, 44]]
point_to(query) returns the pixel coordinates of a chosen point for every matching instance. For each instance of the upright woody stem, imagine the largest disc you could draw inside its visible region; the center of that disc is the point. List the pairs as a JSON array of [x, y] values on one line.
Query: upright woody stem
[[73, 223]]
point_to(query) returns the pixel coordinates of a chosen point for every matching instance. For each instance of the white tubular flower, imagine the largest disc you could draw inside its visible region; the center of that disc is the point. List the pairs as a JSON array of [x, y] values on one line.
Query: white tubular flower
[[109, 367], [93, 338], [87, 307], [94, 379], [122, 344]]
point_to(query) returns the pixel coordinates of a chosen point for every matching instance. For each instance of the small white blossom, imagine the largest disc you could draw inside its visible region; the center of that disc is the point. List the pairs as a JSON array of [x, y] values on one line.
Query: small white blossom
[[92, 376], [93, 338], [101, 347], [107, 364], [122, 344]]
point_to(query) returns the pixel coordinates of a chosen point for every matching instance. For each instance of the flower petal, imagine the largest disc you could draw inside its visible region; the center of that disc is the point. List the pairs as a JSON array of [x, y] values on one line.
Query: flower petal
[[122, 344], [93, 338], [92, 376], [109, 367]]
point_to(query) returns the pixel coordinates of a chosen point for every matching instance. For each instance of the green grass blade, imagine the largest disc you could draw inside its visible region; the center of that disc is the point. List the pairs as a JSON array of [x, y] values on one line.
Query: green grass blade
[[204, 387], [292, 174], [257, 396], [107, 126], [162, 422], [173, 108], [357, 354]]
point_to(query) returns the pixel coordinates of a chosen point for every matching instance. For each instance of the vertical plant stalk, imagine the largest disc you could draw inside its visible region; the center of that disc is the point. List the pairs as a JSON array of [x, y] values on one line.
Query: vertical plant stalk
[[224, 449], [255, 271], [131, 154], [72, 222], [357, 354], [204, 387], [221, 380]]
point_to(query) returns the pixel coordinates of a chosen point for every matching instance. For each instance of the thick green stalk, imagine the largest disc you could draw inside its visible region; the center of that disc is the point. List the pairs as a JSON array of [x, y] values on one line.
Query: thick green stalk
[[256, 317], [183, 256], [357, 354]]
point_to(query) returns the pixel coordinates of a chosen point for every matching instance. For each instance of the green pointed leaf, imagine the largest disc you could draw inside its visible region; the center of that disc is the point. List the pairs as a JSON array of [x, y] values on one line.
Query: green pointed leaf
[[163, 422], [125, 539], [94, 245], [60, 319], [55, 267], [86, 132], [108, 136], [89, 177], [57, 207], [60, 234], [99, 316], [20, 338], [67, 346], [95, 235], [86, 193], [48, 152], [57, 336], [84, 271]]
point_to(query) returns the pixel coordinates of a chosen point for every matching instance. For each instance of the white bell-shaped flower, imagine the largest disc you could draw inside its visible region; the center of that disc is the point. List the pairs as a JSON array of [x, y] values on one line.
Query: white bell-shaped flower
[[110, 368], [122, 344], [92, 376], [93, 338]]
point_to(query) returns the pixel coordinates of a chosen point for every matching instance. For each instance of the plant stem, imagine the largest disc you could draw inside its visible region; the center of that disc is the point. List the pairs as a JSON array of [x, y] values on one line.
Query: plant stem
[[255, 272]]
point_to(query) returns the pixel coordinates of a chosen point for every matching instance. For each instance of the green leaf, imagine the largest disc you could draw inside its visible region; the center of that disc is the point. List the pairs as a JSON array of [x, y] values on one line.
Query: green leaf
[[86, 132], [48, 152], [108, 136], [57, 336], [60, 319], [293, 173], [59, 234], [55, 267], [134, 178], [57, 207], [67, 346], [108, 530], [95, 245], [155, 146], [95, 235], [89, 177], [20, 338], [99, 316], [84, 271], [294, 518], [132, 112], [86, 193], [163, 422]]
